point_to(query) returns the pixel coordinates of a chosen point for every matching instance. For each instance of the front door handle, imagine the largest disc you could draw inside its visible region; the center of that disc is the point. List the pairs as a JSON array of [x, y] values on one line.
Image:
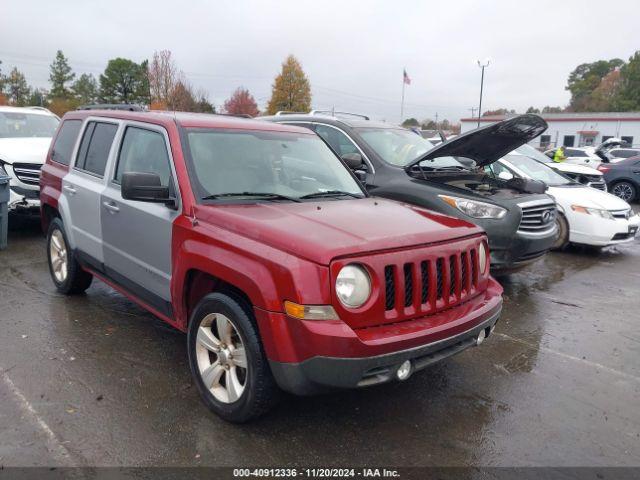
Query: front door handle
[[69, 189], [111, 206]]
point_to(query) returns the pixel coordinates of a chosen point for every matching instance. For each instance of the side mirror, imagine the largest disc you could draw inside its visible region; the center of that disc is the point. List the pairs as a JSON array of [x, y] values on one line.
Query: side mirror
[[505, 175], [361, 175], [353, 160], [145, 187]]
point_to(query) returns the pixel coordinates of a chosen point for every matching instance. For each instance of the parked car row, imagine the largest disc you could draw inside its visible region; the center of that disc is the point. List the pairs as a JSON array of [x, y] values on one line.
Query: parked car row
[[395, 163], [305, 252]]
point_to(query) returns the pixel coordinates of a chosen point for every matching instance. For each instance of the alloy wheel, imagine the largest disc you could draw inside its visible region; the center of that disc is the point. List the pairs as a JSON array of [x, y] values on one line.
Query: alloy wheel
[[221, 358], [58, 254], [624, 191]]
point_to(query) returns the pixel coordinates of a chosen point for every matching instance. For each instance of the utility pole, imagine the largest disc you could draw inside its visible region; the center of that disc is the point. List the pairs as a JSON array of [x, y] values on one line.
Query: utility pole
[[436, 120], [482, 65], [473, 111]]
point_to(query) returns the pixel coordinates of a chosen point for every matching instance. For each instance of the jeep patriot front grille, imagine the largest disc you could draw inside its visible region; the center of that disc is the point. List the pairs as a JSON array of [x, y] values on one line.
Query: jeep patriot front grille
[[428, 281]]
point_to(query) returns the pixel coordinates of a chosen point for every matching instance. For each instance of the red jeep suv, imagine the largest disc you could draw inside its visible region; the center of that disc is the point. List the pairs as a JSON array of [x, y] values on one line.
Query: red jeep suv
[[256, 240]]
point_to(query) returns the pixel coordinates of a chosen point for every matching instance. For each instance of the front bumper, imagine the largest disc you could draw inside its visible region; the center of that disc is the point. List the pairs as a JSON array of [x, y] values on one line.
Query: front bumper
[[329, 355], [599, 232], [24, 201], [519, 250]]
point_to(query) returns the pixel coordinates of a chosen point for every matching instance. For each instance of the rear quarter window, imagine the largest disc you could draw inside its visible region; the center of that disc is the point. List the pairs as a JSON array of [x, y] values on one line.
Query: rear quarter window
[[95, 147], [65, 141]]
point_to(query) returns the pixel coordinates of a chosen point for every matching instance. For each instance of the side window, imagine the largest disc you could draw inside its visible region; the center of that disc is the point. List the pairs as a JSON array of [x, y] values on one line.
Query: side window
[[95, 147], [338, 140], [143, 151], [626, 153], [66, 139], [495, 169]]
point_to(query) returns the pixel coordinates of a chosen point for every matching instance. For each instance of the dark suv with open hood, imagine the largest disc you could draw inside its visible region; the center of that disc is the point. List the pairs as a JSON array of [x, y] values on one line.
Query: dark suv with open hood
[[396, 163]]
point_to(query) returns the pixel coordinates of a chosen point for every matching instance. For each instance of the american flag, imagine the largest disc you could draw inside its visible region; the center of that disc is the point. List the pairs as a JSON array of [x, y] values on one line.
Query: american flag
[[405, 77]]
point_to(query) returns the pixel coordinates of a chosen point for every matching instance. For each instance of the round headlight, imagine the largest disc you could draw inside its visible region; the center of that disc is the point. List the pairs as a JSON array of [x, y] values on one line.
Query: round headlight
[[353, 286], [482, 257]]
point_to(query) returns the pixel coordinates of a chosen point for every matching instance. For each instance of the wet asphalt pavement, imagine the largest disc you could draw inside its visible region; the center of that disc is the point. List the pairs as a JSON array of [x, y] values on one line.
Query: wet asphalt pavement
[[95, 380]]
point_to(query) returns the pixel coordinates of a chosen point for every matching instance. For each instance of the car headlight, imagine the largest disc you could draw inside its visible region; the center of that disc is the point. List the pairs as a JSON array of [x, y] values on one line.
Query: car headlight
[[353, 286], [593, 211], [474, 208], [482, 257]]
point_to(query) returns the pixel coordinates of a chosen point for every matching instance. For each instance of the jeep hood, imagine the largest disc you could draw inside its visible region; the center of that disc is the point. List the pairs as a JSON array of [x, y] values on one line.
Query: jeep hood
[[24, 150], [488, 144], [323, 231]]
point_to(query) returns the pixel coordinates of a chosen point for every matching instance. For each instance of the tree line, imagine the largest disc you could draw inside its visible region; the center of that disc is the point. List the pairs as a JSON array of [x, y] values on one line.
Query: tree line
[[601, 86], [158, 84]]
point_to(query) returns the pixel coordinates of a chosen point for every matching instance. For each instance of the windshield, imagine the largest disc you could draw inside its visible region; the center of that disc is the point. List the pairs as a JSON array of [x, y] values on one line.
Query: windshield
[[292, 165], [20, 125], [402, 147], [532, 152], [537, 171]]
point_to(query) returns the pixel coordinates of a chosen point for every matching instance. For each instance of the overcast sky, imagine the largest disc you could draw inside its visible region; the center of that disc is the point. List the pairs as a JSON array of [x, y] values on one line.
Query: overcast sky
[[352, 51]]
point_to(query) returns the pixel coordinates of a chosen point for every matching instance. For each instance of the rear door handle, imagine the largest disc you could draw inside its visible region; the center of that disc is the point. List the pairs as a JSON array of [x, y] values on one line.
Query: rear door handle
[[111, 206], [70, 189]]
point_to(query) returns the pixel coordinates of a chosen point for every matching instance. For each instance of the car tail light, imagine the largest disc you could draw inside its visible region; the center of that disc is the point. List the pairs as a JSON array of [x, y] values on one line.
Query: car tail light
[[603, 169]]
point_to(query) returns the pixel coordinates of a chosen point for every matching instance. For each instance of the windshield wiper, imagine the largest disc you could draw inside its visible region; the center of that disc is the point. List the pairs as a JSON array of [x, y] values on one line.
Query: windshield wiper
[[331, 193], [267, 195], [448, 168]]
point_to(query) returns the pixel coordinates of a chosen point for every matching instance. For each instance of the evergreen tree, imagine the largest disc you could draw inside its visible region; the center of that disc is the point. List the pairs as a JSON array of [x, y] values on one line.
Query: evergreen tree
[[125, 81], [628, 97], [17, 88], [85, 89], [60, 75]]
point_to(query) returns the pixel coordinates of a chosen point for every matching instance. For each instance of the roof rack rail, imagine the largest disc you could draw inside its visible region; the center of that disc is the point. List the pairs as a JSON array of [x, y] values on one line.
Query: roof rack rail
[[239, 115], [335, 113], [36, 107], [112, 106], [287, 112]]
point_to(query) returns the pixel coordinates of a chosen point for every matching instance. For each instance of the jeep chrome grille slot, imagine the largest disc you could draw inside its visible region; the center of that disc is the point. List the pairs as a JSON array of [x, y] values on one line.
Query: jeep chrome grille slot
[[27, 173], [425, 285], [408, 284], [424, 280], [537, 216], [390, 287], [439, 278]]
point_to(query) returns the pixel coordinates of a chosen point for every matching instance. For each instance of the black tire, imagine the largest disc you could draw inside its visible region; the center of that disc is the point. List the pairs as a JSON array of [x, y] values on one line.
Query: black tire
[[562, 240], [76, 280], [627, 191], [260, 392]]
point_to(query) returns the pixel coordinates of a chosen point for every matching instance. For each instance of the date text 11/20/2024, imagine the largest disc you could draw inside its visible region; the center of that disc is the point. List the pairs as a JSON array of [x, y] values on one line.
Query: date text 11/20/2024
[[315, 473]]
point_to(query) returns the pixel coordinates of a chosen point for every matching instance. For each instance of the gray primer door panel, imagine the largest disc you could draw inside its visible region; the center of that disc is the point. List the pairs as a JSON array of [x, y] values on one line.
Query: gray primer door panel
[[137, 235], [83, 185], [137, 241], [82, 193]]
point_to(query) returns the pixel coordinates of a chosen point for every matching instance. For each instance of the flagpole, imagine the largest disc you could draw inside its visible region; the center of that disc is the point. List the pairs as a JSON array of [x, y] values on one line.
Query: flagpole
[[402, 103]]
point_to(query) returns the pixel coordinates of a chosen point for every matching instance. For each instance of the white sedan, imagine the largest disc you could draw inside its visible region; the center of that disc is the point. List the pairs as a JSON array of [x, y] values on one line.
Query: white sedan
[[586, 216], [580, 173]]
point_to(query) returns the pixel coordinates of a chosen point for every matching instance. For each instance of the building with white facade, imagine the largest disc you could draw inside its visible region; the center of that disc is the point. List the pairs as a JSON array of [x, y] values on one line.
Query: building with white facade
[[576, 129]]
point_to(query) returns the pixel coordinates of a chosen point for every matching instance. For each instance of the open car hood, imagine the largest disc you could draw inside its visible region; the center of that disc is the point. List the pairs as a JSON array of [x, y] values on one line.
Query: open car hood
[[609, 144], [488, 144]]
